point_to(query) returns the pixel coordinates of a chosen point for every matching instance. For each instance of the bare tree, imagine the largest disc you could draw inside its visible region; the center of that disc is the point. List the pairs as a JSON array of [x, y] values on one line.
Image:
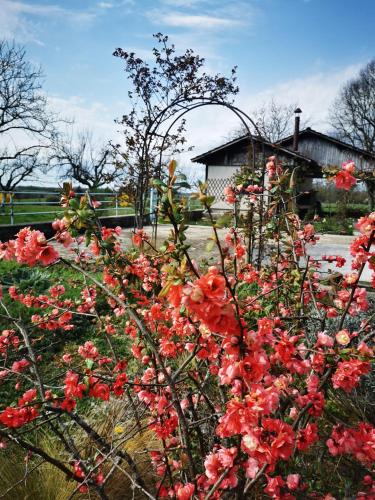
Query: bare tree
[[90, 165], [26, 127], [14, 171], [274, 121], [353, 112], [160, 92], [352, 116]]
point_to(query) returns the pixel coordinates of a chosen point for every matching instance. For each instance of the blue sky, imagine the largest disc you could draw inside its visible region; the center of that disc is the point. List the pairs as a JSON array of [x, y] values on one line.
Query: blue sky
[[293, 50]]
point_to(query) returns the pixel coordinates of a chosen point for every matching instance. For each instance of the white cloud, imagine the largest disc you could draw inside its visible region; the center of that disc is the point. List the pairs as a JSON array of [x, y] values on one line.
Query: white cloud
[[314, 94], [87, 115], [205, 26], [19, 20], [182, 3], [180, 20], [105, 5]]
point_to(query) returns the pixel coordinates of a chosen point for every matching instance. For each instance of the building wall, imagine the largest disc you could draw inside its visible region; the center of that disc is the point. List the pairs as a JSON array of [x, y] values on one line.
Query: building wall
[[222, 171], [218, 177], [326, 153]]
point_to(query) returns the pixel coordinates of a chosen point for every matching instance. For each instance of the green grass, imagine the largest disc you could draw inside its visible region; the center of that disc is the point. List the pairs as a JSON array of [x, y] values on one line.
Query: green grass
[[33, 216], [52, 344], [332, 225], [352, 209], [38, 280]]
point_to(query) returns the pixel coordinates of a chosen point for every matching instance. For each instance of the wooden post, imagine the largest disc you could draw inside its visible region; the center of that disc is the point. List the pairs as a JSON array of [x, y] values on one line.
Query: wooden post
[[11, 209], [370, 185], [116, 204]]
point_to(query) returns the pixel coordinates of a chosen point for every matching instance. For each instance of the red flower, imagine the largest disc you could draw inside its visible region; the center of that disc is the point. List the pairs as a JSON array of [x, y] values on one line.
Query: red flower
[[139, 236], [274, 485], [216, 463], [307, 436], [344, 180], [68, 405], [359, 442], [175, 295], [166, 428], [47, 255], [283, 440], [17, 417], [348, 374], [184, 492], [72, 386], [100, 391]]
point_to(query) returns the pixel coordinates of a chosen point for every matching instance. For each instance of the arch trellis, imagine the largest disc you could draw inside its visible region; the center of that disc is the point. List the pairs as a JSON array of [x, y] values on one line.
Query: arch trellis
[[187, 106], [190, 104]]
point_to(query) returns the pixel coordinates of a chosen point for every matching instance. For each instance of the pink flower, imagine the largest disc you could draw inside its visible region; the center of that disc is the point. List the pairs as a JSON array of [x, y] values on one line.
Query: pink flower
[[88, 350], [324, 340], [29, 248], [343, 337], [292, 481], [348, 374], [349, 166], [185, 492], [230, 195], [252, 467], [344, 180], [67, 358], [216, 463]]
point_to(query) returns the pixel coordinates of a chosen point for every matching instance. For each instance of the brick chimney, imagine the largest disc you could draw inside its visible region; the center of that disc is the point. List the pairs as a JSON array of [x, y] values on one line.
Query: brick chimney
[[297, 120]]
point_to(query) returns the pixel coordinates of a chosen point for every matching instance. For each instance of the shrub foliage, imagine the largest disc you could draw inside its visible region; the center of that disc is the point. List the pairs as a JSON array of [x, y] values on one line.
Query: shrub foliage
[[247, 375]]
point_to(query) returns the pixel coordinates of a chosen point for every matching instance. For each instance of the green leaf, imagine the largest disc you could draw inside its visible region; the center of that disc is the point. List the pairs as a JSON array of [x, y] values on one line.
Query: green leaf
[[183, 185], [89, 363], [73, 203], [163, 292], [210, 200], [224, 221], [210, 245]]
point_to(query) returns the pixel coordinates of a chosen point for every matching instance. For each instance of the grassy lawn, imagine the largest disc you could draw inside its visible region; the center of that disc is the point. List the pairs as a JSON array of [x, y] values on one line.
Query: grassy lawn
[[52, 344], [352, 209], [29, 212]]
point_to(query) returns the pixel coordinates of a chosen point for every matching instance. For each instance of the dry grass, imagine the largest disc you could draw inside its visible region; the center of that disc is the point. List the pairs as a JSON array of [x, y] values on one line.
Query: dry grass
[[19, 480], [41, 481]]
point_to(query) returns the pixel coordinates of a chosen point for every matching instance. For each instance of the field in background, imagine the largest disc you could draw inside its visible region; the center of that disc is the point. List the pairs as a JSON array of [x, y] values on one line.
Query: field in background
[[33, 204], [39, 205]]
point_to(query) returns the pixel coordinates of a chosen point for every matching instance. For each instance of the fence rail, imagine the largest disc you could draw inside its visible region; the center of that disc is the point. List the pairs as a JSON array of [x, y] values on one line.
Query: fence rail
[[11, 204]]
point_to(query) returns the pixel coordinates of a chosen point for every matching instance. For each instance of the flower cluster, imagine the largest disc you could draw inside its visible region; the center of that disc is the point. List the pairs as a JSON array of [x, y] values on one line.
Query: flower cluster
[[344, 178], [222, 368], [359, 442], [30, 247]]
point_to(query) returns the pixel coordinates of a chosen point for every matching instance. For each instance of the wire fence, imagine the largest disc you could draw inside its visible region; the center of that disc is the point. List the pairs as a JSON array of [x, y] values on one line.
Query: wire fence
[[36, 206]]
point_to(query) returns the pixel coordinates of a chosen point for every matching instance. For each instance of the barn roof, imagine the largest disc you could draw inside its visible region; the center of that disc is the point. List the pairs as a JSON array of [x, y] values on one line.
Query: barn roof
[[239, 141], [309, 132]]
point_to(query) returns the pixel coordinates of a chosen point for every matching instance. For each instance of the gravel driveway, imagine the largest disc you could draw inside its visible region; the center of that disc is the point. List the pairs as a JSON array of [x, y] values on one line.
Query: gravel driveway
[[198, 237]]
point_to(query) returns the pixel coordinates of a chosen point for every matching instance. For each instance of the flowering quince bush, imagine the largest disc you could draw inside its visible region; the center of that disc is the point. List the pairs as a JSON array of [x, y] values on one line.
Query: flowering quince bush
[[230, 364]]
